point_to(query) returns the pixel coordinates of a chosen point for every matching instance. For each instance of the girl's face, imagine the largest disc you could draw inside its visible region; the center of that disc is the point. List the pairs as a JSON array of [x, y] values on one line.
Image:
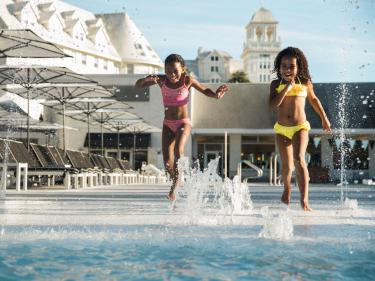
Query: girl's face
[[288, 68], [174, 71]]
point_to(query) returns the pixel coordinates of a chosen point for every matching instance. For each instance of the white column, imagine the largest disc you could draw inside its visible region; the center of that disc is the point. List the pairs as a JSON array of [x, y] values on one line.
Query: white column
[[234, 153]]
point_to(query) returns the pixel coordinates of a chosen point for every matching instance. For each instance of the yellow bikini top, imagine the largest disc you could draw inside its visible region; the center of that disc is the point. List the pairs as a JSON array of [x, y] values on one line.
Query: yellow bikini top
[[298, 90]]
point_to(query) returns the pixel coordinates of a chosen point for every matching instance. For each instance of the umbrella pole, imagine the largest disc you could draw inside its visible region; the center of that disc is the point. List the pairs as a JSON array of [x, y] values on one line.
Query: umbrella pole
[[63, 130], [63, 121], [101, 131], [88, 128], [118, 142], [133, 150], [28, 120], [28, 110], [88, 134]]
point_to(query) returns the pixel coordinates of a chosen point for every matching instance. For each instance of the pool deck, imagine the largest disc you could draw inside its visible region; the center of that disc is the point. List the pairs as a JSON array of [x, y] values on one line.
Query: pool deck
[[147, 205]]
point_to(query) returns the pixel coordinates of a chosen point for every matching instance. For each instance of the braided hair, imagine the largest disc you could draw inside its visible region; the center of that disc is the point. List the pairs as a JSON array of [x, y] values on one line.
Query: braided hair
[[302, 66]]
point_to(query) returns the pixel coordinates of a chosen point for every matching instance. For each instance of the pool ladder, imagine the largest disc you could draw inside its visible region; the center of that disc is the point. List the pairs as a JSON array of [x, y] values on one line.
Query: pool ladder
[[275, 179]]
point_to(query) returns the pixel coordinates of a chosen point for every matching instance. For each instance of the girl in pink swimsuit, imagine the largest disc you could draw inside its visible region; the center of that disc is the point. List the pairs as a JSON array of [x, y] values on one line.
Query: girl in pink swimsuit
[[175, 85]]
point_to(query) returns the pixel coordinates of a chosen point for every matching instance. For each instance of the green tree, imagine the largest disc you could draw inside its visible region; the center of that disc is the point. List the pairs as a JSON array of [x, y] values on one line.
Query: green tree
[[239, 77]]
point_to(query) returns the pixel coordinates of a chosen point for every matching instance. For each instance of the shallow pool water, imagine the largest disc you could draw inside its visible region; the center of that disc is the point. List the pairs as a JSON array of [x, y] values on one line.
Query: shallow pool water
[[133, 233]]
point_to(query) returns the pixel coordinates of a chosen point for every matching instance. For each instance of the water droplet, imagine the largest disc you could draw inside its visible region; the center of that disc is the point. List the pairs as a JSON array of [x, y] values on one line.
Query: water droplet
[[362, 97], [364, 102], [364, 116]]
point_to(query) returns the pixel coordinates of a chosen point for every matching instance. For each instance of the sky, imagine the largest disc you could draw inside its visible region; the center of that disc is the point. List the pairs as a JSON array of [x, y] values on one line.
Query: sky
[[337, 36]]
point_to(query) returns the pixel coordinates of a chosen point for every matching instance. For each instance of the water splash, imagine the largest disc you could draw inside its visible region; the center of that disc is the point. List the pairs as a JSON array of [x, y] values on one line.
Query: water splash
[[351, 204], [341, 139], [207, 193], [276, 226]]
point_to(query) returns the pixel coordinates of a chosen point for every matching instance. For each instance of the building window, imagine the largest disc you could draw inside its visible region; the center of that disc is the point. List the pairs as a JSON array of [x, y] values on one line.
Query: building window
[[216, 58], [260, 78], [105, 64], [130, 68], [269, 78], [212, 58], [217, 81], [216, 68], [96, 62], [264, 78], [212, 69]]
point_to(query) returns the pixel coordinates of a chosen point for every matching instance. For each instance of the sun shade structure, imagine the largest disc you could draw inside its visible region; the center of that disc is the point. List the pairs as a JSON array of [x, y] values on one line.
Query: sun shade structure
[[59, 96], [30, 78], [84, 108], [24, 43]]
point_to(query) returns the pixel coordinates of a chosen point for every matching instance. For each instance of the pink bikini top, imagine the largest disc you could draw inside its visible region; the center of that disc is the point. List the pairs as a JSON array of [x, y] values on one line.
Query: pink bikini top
[[175, 97]]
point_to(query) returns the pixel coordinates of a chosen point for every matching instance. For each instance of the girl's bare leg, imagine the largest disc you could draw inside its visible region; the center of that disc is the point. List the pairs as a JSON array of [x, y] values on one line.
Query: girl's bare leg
[[182, 135], [300, 141], [286, 153], [168, 144]]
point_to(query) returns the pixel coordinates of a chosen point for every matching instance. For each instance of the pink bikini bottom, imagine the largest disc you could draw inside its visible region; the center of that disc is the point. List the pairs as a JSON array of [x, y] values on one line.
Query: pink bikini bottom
[[174, 125]]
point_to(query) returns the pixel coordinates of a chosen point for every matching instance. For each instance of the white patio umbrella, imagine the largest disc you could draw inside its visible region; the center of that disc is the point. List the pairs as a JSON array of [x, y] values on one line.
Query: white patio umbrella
[[30, 78], [134, 128], [21, 46], [122, 120], [84, 108], [59, 96]]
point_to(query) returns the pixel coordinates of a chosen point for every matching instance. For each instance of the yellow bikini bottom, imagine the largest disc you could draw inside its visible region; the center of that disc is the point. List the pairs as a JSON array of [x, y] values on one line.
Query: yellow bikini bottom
[[290, 131]]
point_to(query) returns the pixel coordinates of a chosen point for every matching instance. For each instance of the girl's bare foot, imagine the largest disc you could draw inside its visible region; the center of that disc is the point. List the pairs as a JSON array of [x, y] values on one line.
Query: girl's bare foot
[[305, 206], [171, 196], [285, 198]]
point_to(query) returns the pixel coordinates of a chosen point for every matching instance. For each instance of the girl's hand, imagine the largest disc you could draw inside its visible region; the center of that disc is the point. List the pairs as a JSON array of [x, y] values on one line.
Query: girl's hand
[[220, 92], [326, 125], [151, 78]]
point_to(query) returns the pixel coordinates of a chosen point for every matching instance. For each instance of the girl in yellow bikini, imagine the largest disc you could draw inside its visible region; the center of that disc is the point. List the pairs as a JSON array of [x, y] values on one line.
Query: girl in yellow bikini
[[288, 97]]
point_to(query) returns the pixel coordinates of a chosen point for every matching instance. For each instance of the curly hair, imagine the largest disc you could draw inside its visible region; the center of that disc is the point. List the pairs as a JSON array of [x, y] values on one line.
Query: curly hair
[[302, 66], [172, 58]]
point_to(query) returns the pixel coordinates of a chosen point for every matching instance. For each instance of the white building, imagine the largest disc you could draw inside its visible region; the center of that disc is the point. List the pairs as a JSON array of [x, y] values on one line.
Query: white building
[[261, 46], [99, 44], [213, 66], [260, 49]]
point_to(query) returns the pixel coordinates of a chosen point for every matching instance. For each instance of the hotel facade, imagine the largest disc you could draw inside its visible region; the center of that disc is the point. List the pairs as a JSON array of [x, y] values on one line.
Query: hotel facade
[[112, 50]]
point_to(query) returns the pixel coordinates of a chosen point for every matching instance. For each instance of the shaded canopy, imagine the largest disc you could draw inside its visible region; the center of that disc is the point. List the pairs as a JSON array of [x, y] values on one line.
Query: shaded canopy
[[26, 44]]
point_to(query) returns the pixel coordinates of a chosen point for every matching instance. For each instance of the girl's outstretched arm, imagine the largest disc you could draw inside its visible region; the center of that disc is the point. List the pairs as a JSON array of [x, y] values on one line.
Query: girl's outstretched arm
[[147, 81], [317, 106], [220, 92]]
